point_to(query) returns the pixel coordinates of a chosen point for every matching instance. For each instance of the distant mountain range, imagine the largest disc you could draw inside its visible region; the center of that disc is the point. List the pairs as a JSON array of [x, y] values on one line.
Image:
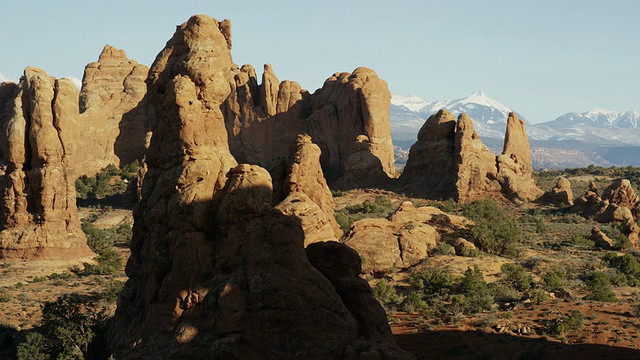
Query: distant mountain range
[[5, 78], [599, 137]]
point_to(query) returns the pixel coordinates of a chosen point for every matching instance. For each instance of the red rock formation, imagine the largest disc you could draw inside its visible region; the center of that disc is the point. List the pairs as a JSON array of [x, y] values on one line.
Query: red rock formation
[[216, 271], [38, 214], [561, 194], [113, 123], [263, 119], [308, 197], [450, 161]]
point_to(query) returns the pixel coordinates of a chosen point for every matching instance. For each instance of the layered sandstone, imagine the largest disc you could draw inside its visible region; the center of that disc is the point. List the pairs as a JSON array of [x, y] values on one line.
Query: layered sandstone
[[115, 123], [405, 238], [450, 161], [264, 118], [215, 270], [38, 214], [308, 197]]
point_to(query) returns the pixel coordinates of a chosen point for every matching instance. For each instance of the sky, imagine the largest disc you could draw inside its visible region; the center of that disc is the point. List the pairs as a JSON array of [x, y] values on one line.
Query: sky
[[541, 58]]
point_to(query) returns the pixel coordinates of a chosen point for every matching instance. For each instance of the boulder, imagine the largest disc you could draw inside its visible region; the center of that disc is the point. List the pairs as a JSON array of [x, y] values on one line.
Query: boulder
[[621, 193], [561, 194], [601, 239], [38, 214]]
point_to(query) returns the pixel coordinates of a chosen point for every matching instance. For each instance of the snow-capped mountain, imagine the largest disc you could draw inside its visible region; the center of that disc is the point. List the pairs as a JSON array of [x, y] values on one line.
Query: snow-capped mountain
[[489, 115], [77, 82], [5, 78]]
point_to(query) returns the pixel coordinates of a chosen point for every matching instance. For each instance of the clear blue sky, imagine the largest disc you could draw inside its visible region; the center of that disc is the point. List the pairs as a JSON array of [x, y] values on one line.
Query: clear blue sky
[[542, 58]]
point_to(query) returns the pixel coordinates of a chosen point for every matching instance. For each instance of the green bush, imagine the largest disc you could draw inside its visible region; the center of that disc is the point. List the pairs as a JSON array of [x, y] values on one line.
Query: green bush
[[109, 181], [555, 280], [69, 327], [386, 294], [538, 296], [495, 232], [414, 303], [505, 293], [517, 277], [599, 287], [433, 281], [626, 266], [565, 323], [476, 290], [381, 206], [35, 347]]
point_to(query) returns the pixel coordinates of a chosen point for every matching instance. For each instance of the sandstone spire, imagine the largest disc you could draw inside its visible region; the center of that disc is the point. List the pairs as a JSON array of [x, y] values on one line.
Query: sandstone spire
[[215, 270], [38, 214]]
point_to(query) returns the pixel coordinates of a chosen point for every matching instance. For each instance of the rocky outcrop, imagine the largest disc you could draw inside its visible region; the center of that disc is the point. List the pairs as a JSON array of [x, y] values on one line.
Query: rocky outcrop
[[113, 124], [621, 193], [431, 170], [450, 161], [601, 240], [404, 239], [262, 119], [561, 194], [215, 271], [308, 197], [38, 214]]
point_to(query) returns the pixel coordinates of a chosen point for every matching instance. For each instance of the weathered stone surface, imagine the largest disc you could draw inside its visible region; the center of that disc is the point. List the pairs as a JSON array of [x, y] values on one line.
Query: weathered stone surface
[[621, 193], [308, 196], [477, 178], [38, 214], [601, 239], [431, 170], [404, 239], [263, 119], [514, 164], [463, 247], [450, 161], [215, 270], [561, 194], [113, 127]]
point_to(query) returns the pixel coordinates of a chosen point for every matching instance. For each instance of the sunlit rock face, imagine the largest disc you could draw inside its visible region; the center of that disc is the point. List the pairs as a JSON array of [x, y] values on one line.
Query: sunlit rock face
[[216, 271], [38, 215]]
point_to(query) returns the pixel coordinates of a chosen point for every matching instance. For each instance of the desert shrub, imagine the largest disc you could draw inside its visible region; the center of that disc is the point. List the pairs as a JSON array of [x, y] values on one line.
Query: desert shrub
[[69, 327], [626, 266], [444, 249], [495, 231], [109, 262], [35, 347], [4, 297], [476, 289], [505, 293], [572, 218], [516, 276], [599, 287], [581, 241], [555, 280], [433, 281], [111, 290], [414, 303], [565, 323], [108, 181], [379, 207], [386, 294], [538, 296]]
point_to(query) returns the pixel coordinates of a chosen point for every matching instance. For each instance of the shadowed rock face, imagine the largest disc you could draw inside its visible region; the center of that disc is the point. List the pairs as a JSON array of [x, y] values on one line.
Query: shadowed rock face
[[38, 214], [215, 271], [561, 194], [450, 161]]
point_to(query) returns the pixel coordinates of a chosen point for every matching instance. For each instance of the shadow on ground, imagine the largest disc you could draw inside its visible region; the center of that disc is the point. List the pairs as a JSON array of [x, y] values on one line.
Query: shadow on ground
[[476, 345]]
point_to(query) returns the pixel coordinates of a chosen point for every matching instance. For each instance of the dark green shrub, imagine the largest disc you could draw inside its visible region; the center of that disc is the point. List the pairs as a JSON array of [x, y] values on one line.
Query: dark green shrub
[[476, 290], [516, 276], [495, 232], [505, 293], [555, 280], [112, 289], [433, 281], [599, 287], [565, 323], [386, 294], [626, 266], [35, 347], [414, 303], [538, 296], [444, 249]]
